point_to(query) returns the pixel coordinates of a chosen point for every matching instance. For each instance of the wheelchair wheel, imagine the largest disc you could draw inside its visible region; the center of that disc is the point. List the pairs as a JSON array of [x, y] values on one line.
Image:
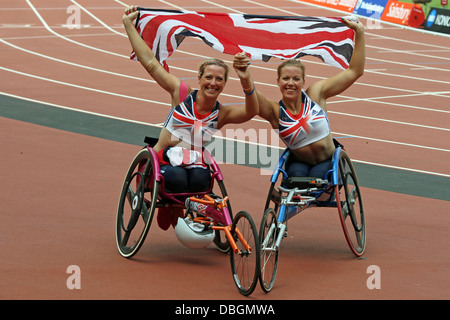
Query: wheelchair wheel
[[136, 204], [350, 206], [220, 240], [245, 265], [268, 233]]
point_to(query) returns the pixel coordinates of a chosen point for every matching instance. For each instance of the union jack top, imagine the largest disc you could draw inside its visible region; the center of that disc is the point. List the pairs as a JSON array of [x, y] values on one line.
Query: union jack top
[[185, 123], [310, 125]]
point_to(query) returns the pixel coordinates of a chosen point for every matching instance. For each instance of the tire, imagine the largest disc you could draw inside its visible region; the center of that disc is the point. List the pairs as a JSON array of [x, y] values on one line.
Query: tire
[[350, 206], [268, 235], [137, 204], [245, 265]]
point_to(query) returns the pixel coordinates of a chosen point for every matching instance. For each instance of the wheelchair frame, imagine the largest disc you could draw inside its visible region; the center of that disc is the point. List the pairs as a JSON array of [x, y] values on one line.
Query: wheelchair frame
[[339, 188]]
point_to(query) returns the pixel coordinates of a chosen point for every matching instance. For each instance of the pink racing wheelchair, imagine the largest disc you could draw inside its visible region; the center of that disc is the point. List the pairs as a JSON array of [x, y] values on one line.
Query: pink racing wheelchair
[[208, 217]]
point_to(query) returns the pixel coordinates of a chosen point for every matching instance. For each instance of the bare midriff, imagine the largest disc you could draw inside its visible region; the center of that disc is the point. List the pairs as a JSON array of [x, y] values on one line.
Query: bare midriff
[[315, 152]]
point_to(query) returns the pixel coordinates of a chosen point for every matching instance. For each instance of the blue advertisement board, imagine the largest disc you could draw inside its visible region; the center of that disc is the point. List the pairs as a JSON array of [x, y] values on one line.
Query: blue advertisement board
[[370, 8]]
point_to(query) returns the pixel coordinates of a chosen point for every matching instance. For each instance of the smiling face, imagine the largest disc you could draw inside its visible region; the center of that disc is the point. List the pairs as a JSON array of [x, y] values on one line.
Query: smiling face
[[290, 83], [212, 80], [291, 76]]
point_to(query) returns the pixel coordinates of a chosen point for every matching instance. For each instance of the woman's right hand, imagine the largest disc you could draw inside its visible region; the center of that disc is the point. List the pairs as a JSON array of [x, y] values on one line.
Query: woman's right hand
[[130, 15]]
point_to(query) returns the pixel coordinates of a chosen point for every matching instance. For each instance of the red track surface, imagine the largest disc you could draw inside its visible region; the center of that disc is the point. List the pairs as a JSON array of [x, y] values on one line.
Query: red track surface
[[59, 189]]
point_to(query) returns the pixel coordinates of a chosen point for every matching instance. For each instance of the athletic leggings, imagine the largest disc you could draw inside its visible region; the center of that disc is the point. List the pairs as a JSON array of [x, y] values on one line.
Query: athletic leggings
[[179, 179], [300, 169]]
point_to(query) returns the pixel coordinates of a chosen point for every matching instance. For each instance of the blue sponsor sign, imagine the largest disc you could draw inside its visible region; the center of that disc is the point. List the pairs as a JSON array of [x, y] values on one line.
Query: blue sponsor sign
[[370, 8]]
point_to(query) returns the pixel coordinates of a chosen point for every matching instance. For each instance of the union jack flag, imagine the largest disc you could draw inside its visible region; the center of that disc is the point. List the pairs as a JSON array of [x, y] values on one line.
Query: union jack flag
[[262, 37]]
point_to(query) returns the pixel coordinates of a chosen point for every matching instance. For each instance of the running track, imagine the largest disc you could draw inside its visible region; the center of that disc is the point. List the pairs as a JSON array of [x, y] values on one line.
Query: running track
[[73, 112]]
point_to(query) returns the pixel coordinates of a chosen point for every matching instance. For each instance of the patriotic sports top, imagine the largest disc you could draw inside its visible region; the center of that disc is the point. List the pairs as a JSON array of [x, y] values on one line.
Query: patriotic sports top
[[185, 123], [309, 125]]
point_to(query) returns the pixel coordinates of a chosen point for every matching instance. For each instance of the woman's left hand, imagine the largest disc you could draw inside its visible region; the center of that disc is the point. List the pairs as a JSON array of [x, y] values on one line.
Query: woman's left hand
[[353, 24], [241, 61]]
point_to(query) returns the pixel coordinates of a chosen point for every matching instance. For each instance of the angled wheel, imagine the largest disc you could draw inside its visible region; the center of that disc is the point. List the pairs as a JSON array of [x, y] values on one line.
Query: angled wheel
[[245, 264], [136, 204], [350, 206], [268, 233]]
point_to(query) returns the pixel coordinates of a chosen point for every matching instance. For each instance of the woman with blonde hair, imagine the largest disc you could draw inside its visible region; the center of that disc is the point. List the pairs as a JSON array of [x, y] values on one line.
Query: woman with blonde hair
[[301, 115], [195, 114]]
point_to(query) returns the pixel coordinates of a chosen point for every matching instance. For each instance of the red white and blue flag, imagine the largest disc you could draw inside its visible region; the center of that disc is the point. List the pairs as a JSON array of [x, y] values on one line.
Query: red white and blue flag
[[261, 37]]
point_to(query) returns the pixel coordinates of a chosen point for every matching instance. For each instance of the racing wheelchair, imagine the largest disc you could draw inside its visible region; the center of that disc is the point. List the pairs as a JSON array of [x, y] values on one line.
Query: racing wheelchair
[[289, 196], [208, 217]]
